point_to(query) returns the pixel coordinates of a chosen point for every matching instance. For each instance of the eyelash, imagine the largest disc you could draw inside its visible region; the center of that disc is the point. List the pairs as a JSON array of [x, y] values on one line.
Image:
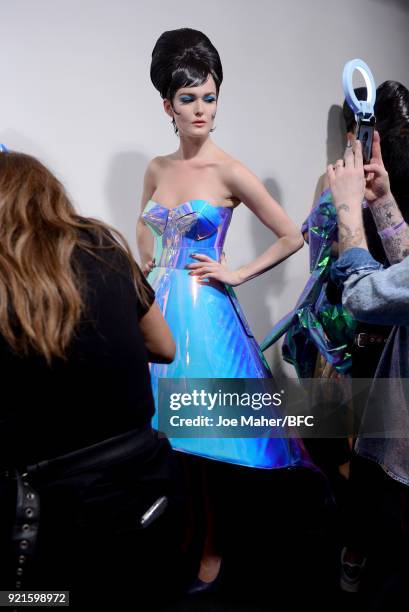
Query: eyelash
[[186, 100]]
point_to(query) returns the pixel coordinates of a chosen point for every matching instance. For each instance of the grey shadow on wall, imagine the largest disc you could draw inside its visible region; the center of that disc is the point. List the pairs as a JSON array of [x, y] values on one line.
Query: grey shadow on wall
[[335, 144], [336, 134], [254, 295], [124, 188], [402, 4], [9, 138]]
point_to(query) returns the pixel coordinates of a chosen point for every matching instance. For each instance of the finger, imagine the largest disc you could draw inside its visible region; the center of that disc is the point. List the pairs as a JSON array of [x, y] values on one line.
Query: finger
[[330, 173], [202, 257], [375, 167], [357, 149], [196, 266], [349, 157], [201, 271], [376, 149]]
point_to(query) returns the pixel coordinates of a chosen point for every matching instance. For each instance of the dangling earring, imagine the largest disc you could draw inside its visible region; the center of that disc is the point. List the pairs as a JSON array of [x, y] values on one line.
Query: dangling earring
[[175, 127], [213, 128]]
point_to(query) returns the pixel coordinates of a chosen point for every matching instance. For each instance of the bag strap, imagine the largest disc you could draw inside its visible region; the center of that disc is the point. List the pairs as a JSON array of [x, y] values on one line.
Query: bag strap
[[25, 529]]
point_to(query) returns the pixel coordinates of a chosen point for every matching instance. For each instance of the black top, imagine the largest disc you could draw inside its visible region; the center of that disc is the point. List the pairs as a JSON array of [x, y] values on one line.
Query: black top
[[101, 390]]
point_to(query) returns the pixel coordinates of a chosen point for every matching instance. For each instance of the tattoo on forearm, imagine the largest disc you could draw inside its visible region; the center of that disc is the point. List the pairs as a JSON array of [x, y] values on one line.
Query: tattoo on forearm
[[347, 237], [387, 214], [343, 207], [397, 247]]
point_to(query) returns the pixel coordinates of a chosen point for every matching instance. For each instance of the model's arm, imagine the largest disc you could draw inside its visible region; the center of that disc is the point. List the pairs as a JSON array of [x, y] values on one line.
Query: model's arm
[[157, 336], [246, 187], [144, 238]]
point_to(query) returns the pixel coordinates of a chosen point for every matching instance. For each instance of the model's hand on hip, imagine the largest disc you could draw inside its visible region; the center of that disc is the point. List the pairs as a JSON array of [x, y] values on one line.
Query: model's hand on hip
[[210, 268]]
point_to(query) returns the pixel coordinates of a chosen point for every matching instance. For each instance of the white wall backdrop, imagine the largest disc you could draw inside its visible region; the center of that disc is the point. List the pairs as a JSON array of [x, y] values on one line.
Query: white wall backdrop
[[75, 91]]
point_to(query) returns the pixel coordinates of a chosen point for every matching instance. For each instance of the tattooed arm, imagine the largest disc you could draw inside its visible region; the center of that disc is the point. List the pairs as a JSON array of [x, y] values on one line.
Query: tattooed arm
[[387, 216], [347, 185], [370, 293], [350, 228], [384, 209]]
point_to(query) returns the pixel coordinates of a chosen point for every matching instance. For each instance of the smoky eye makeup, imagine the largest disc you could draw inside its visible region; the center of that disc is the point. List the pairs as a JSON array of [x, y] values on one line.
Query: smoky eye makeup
[[186, 98]]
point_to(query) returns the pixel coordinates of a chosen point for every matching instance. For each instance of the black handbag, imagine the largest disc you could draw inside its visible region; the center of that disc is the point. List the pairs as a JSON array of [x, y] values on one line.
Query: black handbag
[[137, 447]]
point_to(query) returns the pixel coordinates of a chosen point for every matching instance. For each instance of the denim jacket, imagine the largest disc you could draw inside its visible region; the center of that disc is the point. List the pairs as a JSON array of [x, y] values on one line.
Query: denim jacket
[[381, 298], [374, 294]]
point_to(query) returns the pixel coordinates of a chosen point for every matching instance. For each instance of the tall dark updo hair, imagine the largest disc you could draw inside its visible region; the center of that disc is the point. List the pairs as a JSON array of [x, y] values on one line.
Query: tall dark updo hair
[[184, 58]]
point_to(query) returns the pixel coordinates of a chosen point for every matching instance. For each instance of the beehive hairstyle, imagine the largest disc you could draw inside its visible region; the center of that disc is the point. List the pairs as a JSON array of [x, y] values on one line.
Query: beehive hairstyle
[[184, 58]]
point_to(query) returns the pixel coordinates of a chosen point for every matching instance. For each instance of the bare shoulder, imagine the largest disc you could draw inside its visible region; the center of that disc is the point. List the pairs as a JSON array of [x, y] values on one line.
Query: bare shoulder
[[157, 164], [224, 162], [153, 172], [151, 178], [235, 172]]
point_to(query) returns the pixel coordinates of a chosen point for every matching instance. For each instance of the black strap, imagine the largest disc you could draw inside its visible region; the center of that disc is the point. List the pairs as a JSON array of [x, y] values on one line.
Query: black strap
[[108, 452], [25, 529]]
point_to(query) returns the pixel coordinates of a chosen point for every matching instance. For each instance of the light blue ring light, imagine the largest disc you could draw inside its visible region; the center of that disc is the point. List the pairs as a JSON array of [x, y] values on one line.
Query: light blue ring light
[[361, 108]]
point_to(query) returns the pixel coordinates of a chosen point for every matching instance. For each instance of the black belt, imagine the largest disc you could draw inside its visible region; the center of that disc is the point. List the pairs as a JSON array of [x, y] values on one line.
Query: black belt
[[27, 514], [367, 339]]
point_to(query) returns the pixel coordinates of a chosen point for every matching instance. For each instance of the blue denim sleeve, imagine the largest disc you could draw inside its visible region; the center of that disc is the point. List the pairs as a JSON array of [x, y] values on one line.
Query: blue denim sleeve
[[352, 261], [372, 293]]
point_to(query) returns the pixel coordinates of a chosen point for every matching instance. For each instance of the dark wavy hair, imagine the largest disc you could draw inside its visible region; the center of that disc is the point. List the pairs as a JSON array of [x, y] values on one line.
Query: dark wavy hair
[[391, 108], [184, 58], [395, 154]]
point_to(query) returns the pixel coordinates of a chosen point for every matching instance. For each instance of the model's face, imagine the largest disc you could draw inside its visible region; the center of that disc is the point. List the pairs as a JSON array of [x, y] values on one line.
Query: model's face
[[194, 109]]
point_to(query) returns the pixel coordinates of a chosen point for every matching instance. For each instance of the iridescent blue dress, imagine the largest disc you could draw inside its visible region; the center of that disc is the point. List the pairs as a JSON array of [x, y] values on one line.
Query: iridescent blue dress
[[213, 339]]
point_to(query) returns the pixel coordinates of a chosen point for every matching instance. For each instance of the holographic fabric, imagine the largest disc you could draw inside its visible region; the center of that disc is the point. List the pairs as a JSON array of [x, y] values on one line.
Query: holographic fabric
[[315, 325], [213, 338]]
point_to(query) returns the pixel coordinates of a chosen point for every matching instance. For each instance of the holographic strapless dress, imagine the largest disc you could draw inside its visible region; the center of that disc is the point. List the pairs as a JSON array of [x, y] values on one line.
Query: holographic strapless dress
[[213, 338]]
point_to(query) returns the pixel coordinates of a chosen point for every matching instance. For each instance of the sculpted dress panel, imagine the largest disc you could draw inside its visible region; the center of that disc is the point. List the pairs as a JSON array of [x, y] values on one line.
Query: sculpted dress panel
[[213, 339]]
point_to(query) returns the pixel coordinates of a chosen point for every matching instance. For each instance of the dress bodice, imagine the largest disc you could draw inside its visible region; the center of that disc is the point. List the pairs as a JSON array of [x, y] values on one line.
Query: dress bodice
[[192, 227]]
